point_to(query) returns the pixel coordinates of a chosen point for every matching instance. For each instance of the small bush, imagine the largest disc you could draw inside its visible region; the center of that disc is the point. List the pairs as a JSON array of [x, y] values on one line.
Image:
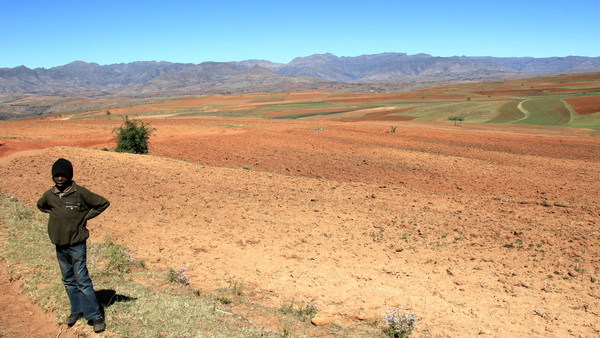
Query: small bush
[[236, 287], [133, 136], [399, 323], [305, 310], [178, 276], [223, 300], [287, 309]]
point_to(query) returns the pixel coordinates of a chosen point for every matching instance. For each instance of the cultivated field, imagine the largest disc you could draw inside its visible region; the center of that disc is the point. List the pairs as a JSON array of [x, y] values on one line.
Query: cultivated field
[[479, 229]]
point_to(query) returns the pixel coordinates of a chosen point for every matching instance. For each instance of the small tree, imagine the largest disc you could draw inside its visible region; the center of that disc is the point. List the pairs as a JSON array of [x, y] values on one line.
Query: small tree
[[132, 136], [107, 113], [457, 120]]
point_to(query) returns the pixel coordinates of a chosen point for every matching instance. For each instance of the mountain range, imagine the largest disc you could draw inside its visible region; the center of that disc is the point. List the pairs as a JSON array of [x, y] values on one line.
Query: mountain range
[[167, 78]]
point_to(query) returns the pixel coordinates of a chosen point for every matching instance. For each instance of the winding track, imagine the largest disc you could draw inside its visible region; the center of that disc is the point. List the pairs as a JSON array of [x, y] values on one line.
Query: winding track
[[524, 111]]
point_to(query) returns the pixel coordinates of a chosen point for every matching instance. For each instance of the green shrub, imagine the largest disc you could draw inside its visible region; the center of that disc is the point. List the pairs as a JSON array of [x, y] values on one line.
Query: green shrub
[[132, 136]]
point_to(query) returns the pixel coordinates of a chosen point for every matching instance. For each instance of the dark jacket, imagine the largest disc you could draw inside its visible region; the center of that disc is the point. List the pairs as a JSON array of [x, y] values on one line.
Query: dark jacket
[[69, 213]]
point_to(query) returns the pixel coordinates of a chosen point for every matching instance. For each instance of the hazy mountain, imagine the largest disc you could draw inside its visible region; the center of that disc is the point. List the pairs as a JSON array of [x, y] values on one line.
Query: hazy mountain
[[400, 67], [140, 78], [529, 64], [151, 77]]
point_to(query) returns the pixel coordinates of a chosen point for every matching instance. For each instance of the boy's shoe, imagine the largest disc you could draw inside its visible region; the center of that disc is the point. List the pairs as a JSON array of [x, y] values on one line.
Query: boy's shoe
[[73, 318], [98, 324]]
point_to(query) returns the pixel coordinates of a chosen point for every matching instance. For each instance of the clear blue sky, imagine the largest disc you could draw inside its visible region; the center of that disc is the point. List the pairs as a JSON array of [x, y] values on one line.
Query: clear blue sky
[[45, 33]]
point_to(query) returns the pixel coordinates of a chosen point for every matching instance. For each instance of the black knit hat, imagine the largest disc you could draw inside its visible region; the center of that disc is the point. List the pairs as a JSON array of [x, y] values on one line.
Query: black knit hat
[[62, 166]]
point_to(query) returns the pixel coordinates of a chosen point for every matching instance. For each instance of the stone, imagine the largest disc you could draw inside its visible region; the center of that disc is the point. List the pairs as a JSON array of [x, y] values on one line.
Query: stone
[[318, 321]]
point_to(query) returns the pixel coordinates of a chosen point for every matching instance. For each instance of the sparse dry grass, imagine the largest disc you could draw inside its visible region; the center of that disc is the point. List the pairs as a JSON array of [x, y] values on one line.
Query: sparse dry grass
[[159, 308]]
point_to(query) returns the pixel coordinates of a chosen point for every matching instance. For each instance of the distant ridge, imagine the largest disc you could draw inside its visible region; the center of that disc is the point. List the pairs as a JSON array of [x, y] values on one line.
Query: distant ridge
[[163, 77]]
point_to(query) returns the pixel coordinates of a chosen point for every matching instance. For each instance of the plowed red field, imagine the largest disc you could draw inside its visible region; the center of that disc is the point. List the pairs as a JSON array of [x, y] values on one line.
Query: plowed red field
[[479, 229], [585, 105]]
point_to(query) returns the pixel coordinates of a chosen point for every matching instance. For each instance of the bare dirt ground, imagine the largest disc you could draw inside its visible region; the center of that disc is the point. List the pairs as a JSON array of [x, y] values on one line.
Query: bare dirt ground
[[20, 318], [479, 230]]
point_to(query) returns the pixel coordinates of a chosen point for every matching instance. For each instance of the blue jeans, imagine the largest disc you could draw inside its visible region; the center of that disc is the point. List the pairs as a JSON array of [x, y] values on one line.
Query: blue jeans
[[76, 279]]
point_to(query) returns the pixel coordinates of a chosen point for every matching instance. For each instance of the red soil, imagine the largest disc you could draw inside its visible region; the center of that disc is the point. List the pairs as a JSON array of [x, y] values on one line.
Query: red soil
[[479, 229], [585, 105], [20, 318]]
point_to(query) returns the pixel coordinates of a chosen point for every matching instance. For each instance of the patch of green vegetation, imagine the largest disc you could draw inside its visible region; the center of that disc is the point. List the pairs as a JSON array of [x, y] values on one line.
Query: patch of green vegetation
[[471, 111], [300, 105], [224, 113], [255, 112], [300, 115], [549, 111], [591, 121], [481, 112], [272, 108], [509, 112], [593, 86], [229, 126]]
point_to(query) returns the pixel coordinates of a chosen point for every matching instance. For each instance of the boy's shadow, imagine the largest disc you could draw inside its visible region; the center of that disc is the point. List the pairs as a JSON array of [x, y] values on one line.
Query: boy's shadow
[[107, 298]]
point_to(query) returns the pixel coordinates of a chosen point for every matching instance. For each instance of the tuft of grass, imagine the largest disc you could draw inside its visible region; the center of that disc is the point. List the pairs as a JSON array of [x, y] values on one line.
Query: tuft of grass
[[287, 309], [177, 276], [236, 287], [223, 299], [305, 310], [287, 330], [108, 258]]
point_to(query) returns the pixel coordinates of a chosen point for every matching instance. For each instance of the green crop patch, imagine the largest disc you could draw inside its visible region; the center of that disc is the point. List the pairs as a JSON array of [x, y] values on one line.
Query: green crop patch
[[509, 112], [546, 112]]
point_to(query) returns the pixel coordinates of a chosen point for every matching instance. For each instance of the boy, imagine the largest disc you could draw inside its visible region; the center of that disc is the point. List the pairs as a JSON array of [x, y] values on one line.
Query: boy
[[70, 207]]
